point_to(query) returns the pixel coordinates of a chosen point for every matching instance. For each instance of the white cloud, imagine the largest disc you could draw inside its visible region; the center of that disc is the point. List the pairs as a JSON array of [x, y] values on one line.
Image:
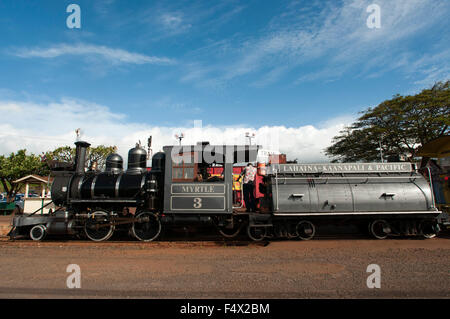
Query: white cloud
[[47, 126], [180, 108], [173, 21], [331, 39], [193, 19], [434, 66], [111, 54]]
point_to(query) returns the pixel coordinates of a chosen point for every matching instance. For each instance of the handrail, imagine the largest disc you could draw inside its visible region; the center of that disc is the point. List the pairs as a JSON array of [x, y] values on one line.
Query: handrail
[[276, 185], [347, 177], [433, 202]]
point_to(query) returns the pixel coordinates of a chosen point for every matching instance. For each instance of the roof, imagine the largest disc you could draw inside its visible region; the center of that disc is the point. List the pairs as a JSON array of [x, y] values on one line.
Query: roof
[[34, 179], [439, 147], [241, 153]]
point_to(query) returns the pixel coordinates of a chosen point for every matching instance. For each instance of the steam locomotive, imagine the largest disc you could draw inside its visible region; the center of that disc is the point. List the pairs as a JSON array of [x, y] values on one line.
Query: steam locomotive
[[385, 199]]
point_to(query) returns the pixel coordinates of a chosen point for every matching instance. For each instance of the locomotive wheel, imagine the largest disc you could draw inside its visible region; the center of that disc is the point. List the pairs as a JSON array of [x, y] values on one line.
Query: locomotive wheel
[[98, 226], [231, 232], [305, 230], [38, 232], [380, 229], [256, 233], [429, 229], [146, 227]]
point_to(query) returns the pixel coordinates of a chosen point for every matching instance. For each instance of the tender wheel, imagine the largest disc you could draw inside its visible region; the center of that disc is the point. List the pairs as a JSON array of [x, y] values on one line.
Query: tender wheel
[[429, 229], [305, 230], [380, 229], [38, 232], [147, 226], [256, 233], [98, 226]]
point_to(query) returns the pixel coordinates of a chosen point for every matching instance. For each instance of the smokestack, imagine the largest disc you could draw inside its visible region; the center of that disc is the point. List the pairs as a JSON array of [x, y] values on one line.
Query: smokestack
[[80, 156]]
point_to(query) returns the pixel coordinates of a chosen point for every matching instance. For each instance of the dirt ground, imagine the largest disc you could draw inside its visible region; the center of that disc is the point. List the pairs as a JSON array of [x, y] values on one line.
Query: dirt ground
[[322, 268]]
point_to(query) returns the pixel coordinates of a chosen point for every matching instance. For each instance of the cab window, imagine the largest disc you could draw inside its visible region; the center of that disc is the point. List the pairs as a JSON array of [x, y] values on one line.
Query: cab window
[[210, 173], [184, 168]]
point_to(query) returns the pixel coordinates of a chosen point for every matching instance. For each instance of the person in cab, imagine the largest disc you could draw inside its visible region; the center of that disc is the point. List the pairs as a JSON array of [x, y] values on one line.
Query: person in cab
[[249, 174]]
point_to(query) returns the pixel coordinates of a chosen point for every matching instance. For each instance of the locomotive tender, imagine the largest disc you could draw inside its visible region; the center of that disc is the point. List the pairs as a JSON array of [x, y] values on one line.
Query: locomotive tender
[[383, 198]]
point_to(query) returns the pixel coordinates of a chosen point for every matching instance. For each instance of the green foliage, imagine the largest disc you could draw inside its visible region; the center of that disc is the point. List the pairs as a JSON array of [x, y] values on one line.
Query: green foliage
[[61, 154], [18, 165], [67, 154], [401, 125], [99, 154]]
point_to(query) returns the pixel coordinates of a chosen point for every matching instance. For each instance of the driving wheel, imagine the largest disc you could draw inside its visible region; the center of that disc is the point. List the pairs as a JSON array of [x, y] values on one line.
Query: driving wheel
[[146, 226], [256, 233], [98, 226]]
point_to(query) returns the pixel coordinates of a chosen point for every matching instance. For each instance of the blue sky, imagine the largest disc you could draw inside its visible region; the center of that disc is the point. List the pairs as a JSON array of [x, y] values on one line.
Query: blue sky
[[304, 68]]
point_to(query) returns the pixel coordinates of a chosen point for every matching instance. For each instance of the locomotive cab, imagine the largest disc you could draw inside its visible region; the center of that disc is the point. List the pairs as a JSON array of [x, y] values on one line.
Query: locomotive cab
[[199, 178]]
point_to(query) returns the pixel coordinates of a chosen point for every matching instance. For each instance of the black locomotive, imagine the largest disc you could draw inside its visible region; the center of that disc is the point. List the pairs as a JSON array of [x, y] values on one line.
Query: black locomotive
[[179, 189]]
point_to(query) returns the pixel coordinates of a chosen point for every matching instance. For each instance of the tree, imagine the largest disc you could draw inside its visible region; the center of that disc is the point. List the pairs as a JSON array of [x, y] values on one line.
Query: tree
[[399, 126], [99, 154], [67, 154], [18, 165], [62, 154]]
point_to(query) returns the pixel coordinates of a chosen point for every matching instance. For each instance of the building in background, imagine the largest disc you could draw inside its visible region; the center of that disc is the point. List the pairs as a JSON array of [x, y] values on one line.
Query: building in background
[[37, 193]]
